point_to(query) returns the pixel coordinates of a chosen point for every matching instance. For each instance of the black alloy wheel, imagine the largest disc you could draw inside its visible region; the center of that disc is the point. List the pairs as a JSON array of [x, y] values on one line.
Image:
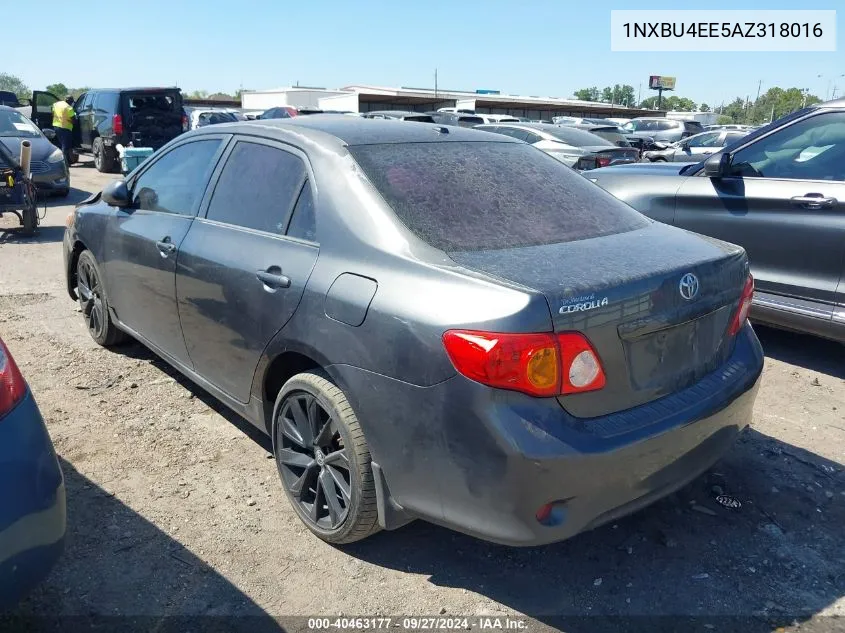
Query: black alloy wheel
[[313, 461], [91, 299]]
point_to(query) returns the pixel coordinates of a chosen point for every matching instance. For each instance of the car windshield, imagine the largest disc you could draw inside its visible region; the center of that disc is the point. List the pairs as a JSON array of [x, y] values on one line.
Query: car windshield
[[15, 124], [575, 137], [461, 196]]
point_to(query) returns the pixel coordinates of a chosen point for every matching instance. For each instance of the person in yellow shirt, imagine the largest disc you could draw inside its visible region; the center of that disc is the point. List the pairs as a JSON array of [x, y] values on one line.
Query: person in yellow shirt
[[63, 116]]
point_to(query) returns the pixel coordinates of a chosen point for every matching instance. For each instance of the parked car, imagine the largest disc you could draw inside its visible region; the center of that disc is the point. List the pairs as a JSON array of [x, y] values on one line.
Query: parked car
[[32, 507], [612, 133], [574, 120], [430, 322], [49, 171], [280, 112], [457, 110], [10, 99], [576, 148], [652, 129], [400, 115], [779, 193], [200, 117], [459, 119], [498, 118], [694, 148], [145, 117], [730, 126]]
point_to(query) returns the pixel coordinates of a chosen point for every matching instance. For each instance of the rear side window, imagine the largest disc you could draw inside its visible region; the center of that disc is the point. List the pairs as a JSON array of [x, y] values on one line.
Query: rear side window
[[460, 196], [257, 188], [303, 222], [106, 102]]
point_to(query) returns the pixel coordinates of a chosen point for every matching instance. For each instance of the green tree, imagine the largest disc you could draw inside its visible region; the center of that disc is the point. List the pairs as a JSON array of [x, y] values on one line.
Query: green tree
[[221, 96], [198, 94], [59, 89], [14, 84], [78, 91], [620, 94], [587, 94], [704, 107], [724, 120]]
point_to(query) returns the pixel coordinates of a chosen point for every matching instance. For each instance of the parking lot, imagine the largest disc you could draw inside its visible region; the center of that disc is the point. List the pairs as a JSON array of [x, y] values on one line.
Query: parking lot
[[175, 508]]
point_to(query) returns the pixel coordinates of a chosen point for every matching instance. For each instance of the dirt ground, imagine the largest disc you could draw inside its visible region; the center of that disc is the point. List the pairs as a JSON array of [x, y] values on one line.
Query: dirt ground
[[175, 508]]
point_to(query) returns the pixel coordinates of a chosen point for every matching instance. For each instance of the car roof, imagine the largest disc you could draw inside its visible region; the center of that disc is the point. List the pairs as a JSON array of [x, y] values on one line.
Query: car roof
[[347, 130], [139, 89], [398, 113]]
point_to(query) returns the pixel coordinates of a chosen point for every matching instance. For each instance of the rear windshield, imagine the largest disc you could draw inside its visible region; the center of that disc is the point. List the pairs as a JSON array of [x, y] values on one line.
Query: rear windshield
[[470, 121], [163, 101], [422, 118], [574, 136], [460, 196]]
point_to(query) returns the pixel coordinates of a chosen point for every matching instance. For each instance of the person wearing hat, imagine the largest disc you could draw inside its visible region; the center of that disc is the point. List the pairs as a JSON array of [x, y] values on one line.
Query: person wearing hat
[[63, 116]]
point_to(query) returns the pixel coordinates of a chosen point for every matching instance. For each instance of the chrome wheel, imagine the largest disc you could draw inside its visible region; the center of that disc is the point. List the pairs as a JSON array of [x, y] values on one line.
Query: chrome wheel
[[313, 461]]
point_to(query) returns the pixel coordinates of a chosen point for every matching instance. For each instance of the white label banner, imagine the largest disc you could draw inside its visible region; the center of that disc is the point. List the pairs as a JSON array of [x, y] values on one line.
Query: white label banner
[[723, 30]]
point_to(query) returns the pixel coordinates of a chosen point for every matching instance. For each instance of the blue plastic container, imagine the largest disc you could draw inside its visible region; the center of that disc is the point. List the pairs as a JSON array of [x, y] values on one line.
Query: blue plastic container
[[134, 156]]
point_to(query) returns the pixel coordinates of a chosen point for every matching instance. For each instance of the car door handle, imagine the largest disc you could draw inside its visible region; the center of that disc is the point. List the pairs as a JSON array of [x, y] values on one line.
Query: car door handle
[[273, 278], [166, 247], [814, 201]]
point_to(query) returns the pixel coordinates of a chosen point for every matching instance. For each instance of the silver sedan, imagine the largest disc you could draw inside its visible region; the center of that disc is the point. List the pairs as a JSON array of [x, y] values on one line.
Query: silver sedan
[[694, 148]]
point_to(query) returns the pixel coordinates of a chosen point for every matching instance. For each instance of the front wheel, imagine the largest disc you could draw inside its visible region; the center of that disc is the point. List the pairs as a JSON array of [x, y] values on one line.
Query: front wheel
[[94, 303], [323, 459]]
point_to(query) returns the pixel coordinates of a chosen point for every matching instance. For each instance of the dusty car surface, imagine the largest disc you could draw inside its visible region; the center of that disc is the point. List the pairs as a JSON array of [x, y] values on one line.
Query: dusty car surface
[[426, 321]]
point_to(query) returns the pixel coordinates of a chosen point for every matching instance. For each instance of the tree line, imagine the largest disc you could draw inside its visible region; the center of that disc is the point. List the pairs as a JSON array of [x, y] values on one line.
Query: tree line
[[773, 104], [14, 84]]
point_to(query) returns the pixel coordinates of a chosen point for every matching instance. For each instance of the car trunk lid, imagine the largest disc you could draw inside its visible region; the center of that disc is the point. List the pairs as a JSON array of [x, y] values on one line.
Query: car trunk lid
[[607, 156], [152, 118], [623, 291]]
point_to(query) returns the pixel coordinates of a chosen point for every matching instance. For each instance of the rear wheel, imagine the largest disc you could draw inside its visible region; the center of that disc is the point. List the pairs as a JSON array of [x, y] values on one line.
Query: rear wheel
[[103, 160], [323, 460], [94, 303]]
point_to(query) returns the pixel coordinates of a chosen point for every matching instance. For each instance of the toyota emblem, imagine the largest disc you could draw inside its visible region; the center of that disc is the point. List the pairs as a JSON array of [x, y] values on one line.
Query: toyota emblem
[[688, 286]]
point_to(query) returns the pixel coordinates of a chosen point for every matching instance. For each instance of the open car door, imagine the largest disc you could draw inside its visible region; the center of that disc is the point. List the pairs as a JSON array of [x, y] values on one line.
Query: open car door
[[42, 108]]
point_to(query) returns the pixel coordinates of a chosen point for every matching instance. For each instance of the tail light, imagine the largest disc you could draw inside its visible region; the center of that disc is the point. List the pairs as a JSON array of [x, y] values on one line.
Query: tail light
[[744, 306], [602, 161], [117, 124], [12, 384], [184, 122], [537, 364]]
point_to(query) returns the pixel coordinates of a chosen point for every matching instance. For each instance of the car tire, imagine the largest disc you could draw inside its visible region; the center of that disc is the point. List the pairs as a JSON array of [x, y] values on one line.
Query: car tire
[[62, 193], [103, 161], [659, 159], [323, 459], [94, 302]]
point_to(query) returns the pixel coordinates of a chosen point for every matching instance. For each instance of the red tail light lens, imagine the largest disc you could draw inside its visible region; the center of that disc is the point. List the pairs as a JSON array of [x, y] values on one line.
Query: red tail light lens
[[184, 122], [602, 161], [12, 384], [117, 124], [742, 310], [537, 364]]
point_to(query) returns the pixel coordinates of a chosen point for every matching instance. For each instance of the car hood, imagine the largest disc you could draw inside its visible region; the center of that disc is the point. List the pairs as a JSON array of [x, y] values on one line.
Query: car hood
[[41, 147], [654, 169]]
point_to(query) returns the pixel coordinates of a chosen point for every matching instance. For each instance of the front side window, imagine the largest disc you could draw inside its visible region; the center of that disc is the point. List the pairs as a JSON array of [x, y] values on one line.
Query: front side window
[[460, 196], [176, 181], [811, 149], [257, 188]]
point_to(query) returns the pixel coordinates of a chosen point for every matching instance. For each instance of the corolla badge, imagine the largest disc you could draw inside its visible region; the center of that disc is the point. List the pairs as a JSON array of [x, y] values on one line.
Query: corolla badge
[[582, 304], [688, 286]]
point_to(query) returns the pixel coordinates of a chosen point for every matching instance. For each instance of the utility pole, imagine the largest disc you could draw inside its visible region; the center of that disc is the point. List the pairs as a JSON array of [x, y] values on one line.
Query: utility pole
[[639, 93], [435, 83], [759, 83]]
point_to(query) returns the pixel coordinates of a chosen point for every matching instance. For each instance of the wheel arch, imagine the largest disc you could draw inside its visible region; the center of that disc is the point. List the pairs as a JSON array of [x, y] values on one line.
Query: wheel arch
[[76, 250]]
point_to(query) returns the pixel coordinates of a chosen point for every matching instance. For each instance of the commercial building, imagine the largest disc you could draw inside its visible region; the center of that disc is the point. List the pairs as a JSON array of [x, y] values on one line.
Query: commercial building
[[364, 98]]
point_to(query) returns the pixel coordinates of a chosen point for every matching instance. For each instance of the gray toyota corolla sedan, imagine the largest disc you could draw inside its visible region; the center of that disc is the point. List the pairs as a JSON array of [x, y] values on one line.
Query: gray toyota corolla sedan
[[429, 321]]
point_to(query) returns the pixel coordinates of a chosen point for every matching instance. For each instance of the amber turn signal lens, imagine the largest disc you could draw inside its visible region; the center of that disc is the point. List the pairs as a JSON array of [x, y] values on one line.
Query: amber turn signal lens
[[542, 369], [70, 218]]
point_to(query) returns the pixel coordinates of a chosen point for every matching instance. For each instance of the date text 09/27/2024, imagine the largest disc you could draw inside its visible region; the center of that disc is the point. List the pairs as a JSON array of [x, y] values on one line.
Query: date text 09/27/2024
[[418, 623]]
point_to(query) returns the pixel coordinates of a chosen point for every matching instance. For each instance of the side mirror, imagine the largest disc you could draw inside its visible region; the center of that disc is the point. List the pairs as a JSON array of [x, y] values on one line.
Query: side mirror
[[49, 133], [116, 194], [718, 165]]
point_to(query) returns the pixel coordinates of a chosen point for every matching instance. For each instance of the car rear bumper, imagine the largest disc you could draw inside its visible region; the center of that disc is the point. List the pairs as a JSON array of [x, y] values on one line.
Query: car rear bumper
[[484, 461], [32, 505]]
